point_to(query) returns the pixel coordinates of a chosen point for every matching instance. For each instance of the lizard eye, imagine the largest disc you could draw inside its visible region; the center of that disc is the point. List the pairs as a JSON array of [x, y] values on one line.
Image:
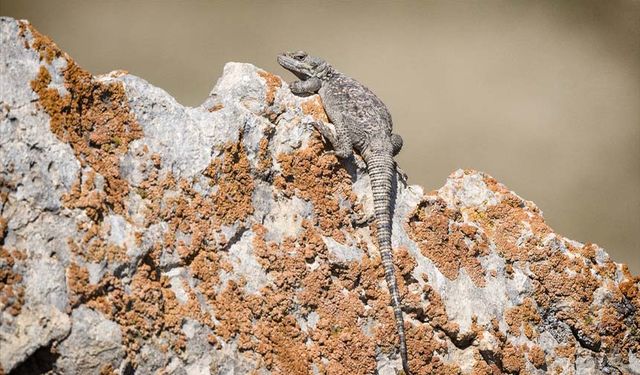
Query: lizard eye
[[299, 55]]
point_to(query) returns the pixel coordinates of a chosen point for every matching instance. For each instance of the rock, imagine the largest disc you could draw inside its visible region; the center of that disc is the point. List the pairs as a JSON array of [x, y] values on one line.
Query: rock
[[33, 328], [140, 235]]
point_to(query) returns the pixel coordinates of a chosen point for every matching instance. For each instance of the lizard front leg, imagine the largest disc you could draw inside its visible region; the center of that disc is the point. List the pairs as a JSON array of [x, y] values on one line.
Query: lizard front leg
[[306, 87], [339, 140]]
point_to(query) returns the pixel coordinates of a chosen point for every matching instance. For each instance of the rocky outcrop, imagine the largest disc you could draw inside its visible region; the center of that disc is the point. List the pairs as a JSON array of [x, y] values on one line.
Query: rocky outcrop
[[138, 235]]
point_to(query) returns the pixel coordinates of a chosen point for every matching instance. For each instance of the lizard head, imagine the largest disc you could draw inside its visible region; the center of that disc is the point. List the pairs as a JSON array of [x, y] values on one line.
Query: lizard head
[[303, 65]]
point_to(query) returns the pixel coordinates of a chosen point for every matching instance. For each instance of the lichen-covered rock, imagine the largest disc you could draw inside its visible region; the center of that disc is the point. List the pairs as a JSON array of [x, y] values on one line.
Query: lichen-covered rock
[[140, 235]]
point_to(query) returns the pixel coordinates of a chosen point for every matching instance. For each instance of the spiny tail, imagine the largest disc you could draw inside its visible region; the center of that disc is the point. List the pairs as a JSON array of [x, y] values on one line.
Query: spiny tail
[[381, 169]]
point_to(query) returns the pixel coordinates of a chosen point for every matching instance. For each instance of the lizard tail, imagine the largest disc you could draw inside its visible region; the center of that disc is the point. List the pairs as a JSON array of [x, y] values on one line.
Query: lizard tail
[[381, 170]]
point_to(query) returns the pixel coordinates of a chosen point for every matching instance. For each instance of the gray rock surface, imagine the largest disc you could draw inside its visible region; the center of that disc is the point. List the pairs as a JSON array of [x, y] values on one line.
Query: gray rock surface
[[139, 234]]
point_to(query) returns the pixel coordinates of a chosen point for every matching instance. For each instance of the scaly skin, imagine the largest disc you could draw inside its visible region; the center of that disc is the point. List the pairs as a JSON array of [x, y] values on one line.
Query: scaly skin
[[362, 122]]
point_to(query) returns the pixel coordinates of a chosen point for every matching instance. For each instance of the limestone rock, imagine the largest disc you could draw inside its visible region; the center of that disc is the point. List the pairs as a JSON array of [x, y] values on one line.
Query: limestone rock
[[141, 235]]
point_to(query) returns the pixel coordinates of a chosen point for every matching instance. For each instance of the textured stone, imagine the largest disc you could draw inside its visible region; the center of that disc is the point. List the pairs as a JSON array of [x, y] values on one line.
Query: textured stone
[[138, 234]]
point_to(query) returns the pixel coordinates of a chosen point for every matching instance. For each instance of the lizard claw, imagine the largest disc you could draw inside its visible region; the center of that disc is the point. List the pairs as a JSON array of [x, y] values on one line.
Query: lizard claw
[[359, 162], [295, 87], [403, 176], [330, 135]]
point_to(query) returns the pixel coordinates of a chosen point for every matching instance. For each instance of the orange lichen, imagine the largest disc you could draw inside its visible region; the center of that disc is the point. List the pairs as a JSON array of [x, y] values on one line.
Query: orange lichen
[[85, 196], [314, 175], [261, 322], [45, 47], [629, 288], [93, 118], [481, 367], [566, 351], [443, 236], [216, 107], [265, 159], [191, 213], [4, 223], [313, 106], [78, 284], [11, 283], [93, 247], [232, 174], [273, 84], [423, 346], [523, 315], [536, 357], [146, 307], [512, 359], [611, 327], [107, 370], [337, 293], [99, 250], [521, 236]]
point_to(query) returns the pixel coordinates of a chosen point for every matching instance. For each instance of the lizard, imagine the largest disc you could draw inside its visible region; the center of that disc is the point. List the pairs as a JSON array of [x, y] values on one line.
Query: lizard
[[362, 123]]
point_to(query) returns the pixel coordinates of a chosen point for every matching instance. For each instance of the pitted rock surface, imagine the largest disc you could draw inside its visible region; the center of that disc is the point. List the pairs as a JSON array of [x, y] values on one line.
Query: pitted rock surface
[[141, 235]]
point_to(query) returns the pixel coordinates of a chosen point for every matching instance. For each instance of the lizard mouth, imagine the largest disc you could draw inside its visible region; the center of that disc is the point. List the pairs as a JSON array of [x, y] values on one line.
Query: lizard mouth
[[293, 64]]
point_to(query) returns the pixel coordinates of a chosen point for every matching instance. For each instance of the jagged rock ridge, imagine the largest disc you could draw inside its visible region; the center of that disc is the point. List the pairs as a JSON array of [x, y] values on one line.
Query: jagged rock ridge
[[140, 235]]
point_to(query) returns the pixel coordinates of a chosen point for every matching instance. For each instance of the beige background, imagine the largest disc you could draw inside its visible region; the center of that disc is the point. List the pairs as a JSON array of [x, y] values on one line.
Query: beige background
[[544, 96]]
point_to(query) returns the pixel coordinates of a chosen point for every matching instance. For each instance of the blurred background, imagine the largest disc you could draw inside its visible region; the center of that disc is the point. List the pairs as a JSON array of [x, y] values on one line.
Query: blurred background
[[542, 95]]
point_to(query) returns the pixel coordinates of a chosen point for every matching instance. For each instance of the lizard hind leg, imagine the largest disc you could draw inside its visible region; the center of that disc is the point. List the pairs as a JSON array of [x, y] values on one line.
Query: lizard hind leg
[[396, 142], [341, 145]]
